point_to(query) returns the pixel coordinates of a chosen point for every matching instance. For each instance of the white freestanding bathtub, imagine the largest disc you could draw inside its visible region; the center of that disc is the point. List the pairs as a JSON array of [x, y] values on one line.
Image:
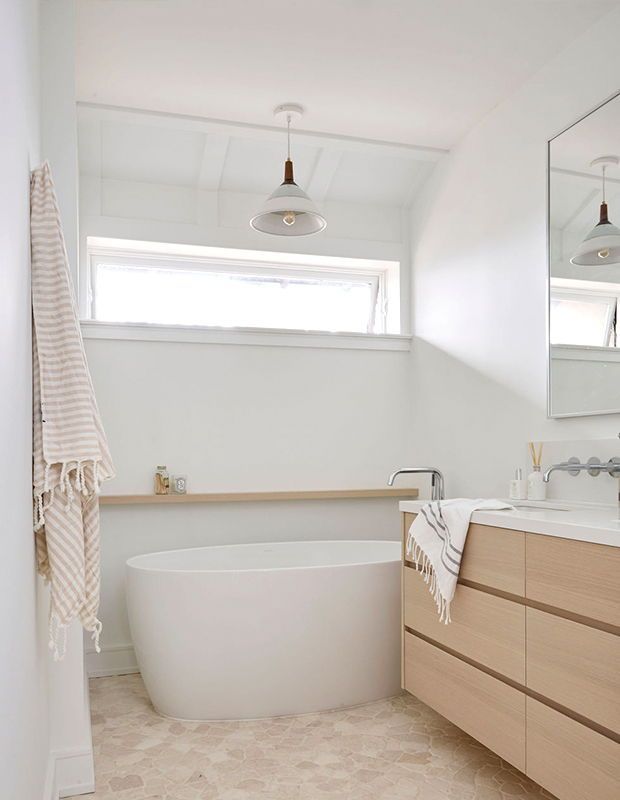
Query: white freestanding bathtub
[[260, 630]]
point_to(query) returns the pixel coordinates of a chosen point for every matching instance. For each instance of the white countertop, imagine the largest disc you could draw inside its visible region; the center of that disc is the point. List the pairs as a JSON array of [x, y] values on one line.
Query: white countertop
[[585, 522]]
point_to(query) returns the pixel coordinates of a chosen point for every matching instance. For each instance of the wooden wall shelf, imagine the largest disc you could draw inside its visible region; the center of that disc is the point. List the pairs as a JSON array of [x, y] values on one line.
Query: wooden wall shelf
[[255, 497]]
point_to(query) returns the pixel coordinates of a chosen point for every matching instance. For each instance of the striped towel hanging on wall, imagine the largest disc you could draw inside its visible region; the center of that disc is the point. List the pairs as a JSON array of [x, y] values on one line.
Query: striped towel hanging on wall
[[70, 452]]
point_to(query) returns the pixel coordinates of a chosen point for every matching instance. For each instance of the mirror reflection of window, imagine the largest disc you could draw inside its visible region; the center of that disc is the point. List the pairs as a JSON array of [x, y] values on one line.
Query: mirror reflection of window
[[587, 320]]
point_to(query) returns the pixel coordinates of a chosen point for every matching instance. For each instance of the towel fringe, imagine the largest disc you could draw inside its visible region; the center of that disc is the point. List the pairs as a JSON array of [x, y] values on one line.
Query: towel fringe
[[424, 566], [73, 479], [58, 635], [97, 626]]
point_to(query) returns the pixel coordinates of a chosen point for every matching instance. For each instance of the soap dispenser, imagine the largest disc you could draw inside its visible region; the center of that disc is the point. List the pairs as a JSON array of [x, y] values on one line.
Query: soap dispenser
[[518, 486]]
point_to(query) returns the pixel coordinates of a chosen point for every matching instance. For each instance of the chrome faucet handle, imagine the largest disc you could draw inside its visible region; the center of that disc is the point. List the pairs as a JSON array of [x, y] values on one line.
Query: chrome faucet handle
[[613, 467]]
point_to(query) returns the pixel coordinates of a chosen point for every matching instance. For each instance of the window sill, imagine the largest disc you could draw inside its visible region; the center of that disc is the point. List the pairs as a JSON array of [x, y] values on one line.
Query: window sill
[[579, 352], [266, 337]]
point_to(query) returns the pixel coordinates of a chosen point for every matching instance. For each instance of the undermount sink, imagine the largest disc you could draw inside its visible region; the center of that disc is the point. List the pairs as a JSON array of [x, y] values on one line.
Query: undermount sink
[[533, 506]]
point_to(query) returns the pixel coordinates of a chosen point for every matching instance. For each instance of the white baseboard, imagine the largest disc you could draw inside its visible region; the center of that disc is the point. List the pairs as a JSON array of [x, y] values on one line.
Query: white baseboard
[[69, 773], [115, 659]]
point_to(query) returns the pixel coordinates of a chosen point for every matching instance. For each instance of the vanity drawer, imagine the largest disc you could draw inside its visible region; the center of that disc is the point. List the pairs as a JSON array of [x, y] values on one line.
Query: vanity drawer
[[579, 577], [570, 760], [574, 665], [493, 557], [484, 628], [489, 710]]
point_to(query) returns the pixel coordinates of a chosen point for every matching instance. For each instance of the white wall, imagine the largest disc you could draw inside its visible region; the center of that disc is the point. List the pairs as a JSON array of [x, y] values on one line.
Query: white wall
[[244, 418], [479, 272], [70, 731], [23, 666]]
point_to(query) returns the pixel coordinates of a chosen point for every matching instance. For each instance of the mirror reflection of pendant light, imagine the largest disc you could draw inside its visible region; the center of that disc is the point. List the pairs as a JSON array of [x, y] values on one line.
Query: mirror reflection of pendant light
[[288, 211], [601, 247]]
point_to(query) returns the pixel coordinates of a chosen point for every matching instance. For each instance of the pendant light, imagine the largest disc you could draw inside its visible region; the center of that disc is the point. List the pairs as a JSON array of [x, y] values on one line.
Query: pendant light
[[601, 247], [288, 211]]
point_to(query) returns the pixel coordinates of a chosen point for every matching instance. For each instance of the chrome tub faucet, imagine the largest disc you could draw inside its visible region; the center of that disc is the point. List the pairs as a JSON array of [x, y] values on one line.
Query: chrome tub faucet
[[437, 482]]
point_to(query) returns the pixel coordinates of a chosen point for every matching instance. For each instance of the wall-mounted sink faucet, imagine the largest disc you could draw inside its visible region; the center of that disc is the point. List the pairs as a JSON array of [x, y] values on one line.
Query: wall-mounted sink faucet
[[437, 482], [593, 466]]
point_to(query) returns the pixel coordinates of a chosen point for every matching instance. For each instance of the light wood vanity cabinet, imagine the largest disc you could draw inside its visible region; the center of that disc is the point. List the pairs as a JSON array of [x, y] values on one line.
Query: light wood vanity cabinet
[[530, 665], [487, 709], [574, 665], [484, 627], [579, 577]]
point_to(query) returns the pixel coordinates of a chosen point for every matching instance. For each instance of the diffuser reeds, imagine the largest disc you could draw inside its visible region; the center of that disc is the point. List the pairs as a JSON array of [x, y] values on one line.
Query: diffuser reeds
[[536, 449]]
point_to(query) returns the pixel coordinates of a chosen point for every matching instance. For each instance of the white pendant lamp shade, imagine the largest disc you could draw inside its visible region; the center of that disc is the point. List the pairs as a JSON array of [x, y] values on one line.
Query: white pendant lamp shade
[[288, 211], [601, 247]]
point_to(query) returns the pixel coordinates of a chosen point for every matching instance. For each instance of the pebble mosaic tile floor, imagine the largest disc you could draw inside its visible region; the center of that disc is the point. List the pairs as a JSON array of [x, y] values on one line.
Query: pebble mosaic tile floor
[[396, 749]]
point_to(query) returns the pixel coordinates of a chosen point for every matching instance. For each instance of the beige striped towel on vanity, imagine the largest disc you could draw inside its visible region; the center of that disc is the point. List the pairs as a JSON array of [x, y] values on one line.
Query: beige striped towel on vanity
[[70, 452]]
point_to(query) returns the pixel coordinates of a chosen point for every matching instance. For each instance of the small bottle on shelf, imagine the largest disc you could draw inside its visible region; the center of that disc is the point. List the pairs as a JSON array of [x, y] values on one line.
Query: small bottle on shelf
[[162, 480]]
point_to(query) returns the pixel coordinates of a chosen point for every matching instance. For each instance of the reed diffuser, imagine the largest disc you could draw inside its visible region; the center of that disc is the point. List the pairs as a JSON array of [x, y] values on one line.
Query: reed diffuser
[[536, 487]]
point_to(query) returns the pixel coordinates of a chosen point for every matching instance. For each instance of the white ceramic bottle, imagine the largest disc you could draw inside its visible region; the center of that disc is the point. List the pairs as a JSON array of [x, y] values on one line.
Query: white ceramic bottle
[[517, 489], [536, 487]]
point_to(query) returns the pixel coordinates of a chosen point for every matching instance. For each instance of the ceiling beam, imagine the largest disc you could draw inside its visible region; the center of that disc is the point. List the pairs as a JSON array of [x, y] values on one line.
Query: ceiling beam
[[323, 173], [262, 132], [213, 161]]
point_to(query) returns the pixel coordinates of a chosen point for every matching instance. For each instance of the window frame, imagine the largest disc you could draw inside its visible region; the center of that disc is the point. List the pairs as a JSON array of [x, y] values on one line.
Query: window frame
[[603, 295], [384, 276]]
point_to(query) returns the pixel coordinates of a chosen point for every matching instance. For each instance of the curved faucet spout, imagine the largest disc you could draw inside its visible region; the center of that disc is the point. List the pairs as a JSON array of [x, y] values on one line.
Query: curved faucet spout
[[437, 481]]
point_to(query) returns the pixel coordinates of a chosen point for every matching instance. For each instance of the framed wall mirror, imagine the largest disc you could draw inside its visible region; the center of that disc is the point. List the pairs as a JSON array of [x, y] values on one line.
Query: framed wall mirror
[[584, 266]]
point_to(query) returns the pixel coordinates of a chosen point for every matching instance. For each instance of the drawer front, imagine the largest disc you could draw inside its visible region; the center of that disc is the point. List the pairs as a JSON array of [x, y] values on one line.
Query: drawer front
[[493, 557], [571, 761], [487, 709], [577, 666], [579, 577], [484, 628]]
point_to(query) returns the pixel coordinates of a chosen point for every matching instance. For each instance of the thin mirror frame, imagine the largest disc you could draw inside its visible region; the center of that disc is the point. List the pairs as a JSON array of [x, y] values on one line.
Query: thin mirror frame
[[550, 414]]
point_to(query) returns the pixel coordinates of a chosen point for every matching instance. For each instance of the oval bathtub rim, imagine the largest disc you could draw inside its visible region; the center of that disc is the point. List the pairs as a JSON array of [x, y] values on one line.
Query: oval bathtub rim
[[398, 560]]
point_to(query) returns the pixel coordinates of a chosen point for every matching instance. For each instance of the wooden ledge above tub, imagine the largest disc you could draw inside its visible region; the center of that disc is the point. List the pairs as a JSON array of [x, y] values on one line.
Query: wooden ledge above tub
[[254, 497]]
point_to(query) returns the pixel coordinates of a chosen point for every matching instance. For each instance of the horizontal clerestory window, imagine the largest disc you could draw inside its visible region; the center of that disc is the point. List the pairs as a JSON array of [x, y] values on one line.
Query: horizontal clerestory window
[[131, 282]]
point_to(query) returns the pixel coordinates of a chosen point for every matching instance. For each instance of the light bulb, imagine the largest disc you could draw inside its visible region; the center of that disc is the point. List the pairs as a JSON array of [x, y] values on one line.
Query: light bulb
[[289, 218], [601, 253]]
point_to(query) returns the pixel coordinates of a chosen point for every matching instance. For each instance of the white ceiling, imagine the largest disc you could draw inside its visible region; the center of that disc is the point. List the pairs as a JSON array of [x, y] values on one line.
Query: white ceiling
[[412, 71], [152, 148]]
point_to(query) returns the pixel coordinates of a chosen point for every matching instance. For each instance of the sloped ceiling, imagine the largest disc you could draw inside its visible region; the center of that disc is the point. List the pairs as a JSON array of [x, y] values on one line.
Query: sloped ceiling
[[412, 71]]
